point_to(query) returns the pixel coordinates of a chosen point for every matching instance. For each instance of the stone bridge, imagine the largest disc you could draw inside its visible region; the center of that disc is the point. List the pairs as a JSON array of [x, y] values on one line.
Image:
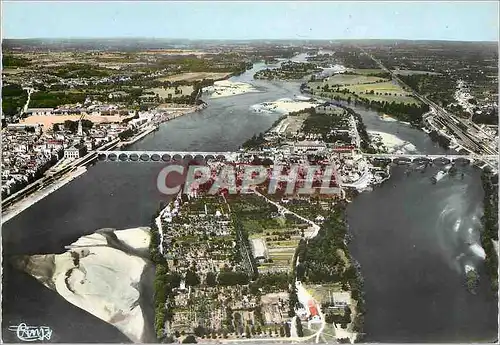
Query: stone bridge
[[164, 156], [438, 159], [167, 156]]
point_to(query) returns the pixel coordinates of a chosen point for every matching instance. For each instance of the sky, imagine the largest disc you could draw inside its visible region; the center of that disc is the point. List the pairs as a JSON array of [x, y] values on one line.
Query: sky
[[459, 21]]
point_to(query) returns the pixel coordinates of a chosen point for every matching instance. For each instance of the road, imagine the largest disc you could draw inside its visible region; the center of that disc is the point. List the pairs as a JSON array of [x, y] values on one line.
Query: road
[[51, 177], [464, 131]]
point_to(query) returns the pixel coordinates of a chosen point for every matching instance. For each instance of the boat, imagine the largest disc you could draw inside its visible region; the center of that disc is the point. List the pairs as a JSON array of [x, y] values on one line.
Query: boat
[[438, 176]]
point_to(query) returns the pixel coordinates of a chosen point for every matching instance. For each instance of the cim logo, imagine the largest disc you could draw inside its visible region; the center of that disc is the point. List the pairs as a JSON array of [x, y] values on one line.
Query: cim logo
[[31, 333]]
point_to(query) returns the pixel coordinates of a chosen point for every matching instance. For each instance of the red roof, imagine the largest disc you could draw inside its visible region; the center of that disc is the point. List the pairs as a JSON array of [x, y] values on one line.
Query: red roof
[[312, 308]]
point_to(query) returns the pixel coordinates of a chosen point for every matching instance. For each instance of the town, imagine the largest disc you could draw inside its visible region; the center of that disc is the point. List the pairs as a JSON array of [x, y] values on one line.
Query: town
[[236, 260]]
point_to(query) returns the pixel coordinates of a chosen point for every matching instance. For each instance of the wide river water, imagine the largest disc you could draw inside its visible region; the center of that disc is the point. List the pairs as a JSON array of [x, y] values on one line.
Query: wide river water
[[410, 237]]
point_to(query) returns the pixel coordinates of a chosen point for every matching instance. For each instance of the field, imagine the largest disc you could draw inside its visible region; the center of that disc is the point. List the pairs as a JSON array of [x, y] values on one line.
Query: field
[[366, 71], [194, 76], [186, 90], [371, 88], [324, 292], [410, 72], [291, 124], [48, 121], [350, 79]]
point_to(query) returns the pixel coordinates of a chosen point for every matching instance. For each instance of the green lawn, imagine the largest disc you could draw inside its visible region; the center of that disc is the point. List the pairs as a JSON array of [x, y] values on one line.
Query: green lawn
[[365, 71], [349, 79]]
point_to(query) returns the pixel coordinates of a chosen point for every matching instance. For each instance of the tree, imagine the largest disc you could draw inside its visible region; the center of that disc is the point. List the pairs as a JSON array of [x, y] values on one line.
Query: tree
[[287, 329], [247, 332], [300, 331], [211, 279], [192, 278], [190, 339]]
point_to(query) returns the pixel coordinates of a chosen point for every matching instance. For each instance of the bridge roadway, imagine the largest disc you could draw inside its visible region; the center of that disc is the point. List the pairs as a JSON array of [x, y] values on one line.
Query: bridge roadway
[[165, 156]]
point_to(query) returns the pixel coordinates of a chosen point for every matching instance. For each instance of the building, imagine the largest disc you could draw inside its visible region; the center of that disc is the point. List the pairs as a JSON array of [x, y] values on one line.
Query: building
[[75, 152], [40, 111], [34, 128], [118, 94], [308, 147], [344, 151]]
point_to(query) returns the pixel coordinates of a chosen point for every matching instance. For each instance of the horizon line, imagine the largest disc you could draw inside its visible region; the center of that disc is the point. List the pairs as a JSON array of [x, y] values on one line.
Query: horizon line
[[244, 39]]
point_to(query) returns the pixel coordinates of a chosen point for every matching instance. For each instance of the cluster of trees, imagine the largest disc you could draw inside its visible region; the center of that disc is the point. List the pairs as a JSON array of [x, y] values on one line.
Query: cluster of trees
[[321, 259], [354, 58], [323, 124], [126, 134], [489, 232], [272, 282], [164, 281], [441, 140], [74, 70], [487, 117], [230, 278], [288, 70], [254, 142], [243, 247], [9, 60], [195, 64], [72, 126], [164, 284], [438, 88], [13, 99], [405, 112], [343, 319], [44, 99]]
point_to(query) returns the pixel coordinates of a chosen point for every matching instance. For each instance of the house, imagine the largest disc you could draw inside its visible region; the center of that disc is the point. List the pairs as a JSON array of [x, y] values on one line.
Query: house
[[313, 310], [75, 152], [344, 151], [117, 94]]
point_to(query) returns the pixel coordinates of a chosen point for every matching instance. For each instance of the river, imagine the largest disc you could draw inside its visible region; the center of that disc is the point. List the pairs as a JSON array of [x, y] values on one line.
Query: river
[[406, 246]]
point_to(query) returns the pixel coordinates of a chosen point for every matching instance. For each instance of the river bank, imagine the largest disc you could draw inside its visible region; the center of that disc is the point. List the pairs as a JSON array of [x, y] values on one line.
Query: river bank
[[18, 207]]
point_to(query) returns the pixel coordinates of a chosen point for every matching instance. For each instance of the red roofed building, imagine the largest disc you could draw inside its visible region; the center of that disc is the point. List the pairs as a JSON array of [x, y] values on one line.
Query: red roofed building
[[313, 311]]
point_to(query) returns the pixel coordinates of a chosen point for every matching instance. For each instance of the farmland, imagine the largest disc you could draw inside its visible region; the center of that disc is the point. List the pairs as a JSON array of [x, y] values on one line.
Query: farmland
[[195, 76]]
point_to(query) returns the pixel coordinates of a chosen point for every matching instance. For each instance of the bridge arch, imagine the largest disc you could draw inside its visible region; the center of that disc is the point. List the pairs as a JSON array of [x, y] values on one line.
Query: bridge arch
[[188, 157], [209, 157], [123, 157], [441, 161], [166, 157], [402, 160], [112, 157], [134, 157], [462, 161], [155, 157], [199, 158], [422, 160], [144, 157], [177, 157]]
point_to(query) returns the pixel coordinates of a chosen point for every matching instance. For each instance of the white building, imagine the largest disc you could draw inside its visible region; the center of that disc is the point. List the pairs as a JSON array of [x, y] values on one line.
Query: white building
[[75, 152], [40, 111], [308, 147]]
